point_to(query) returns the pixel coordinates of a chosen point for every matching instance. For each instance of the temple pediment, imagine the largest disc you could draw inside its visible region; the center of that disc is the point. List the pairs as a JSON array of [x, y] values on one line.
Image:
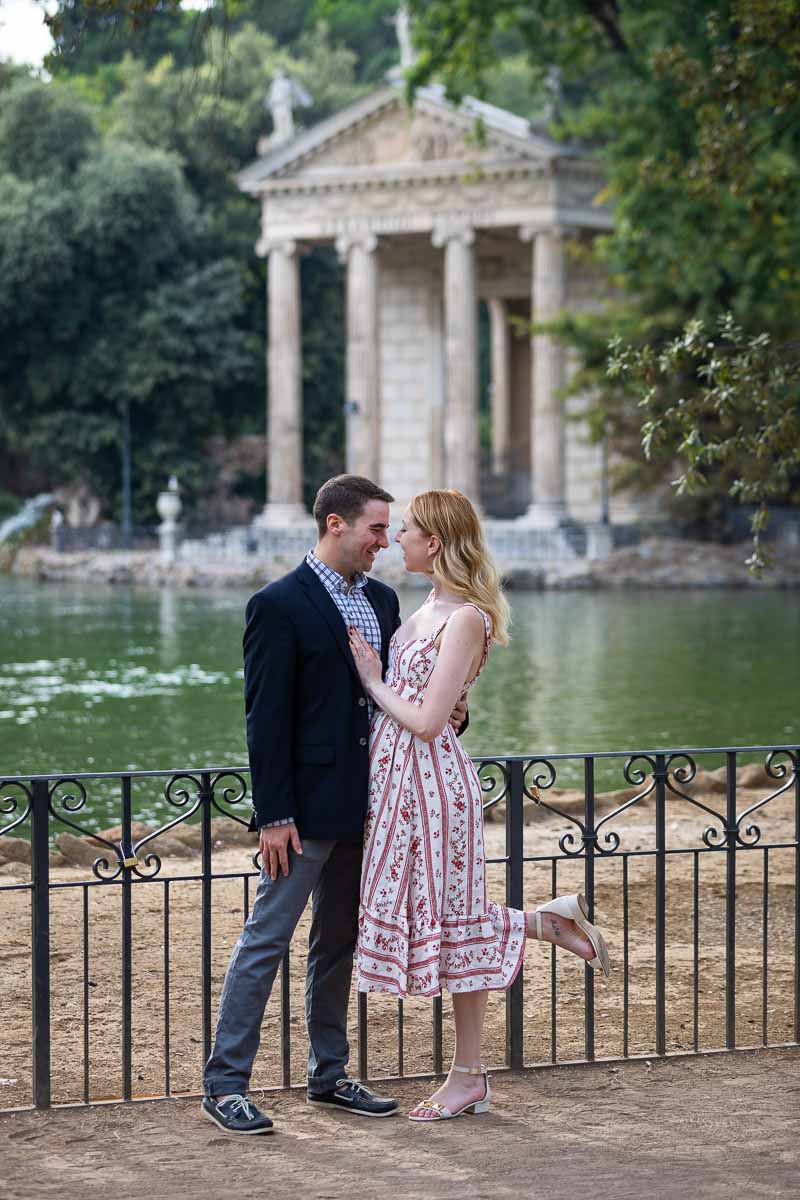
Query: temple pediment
[[381, 132], [399, 138]]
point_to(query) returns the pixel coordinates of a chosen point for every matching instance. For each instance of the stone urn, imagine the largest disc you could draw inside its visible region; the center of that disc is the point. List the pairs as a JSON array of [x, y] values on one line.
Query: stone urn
[[169, 508]]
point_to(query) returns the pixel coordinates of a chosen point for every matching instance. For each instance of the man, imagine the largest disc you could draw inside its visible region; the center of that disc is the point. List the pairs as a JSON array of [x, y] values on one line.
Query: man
[[308, 742]]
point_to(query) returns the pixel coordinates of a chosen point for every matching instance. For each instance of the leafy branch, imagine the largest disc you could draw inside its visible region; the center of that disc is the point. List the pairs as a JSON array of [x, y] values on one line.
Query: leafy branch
[[737, 408]]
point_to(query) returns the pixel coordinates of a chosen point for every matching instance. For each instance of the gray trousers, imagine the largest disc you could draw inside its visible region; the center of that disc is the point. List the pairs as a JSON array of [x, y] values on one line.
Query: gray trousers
[[329, 871]]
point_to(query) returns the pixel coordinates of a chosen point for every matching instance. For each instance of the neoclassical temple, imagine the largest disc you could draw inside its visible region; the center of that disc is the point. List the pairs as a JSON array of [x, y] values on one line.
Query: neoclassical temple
[[430, 221]]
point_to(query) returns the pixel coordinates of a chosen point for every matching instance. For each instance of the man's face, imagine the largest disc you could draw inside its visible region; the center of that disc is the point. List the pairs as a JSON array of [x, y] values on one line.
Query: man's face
[[360, 541]]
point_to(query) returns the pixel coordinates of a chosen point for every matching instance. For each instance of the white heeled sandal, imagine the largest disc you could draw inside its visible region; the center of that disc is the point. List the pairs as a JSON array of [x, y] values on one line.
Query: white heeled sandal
[[576, 909], [440, 1112]]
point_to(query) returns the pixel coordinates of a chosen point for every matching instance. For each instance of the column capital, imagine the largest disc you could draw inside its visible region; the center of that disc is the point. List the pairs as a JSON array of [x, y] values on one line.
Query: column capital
[[449, 231], [346, 241], [555, 229], [266, 245]]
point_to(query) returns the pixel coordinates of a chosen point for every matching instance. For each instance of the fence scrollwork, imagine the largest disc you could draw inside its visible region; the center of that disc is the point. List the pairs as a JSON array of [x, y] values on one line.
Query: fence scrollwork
[[178, 797], [493, 776], [776, 770], [634, 775], [105, 867], [534, 782], [233, 793], [9, 804]]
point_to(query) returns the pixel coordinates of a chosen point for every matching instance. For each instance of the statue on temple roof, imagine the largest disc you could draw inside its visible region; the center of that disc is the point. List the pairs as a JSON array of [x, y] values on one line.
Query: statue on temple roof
[[283, 95], [402, 26]]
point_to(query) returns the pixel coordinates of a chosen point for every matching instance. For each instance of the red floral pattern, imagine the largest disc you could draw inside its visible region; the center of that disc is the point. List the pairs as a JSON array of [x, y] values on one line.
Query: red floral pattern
[[424, 919]]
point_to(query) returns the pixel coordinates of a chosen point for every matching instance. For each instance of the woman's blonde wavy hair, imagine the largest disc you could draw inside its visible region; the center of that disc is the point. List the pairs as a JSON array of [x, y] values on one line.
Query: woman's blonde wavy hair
[[463, 564]]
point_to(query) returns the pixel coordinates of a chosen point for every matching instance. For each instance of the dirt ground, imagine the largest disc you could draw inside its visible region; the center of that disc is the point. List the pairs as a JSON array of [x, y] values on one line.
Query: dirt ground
[[718, 1127], [545, 1021]]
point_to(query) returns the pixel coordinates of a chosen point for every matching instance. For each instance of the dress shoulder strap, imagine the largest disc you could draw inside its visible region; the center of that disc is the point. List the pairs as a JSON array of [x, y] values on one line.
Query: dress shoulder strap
[[487, 621], [487, 642], [487, 624]]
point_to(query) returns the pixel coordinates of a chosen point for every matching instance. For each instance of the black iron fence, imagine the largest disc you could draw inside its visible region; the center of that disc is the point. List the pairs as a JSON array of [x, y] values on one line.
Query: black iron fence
[[695, 872]]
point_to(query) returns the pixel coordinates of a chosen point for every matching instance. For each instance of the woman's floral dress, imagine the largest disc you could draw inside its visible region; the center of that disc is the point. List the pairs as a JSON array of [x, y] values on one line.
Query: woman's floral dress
[[424, 920]]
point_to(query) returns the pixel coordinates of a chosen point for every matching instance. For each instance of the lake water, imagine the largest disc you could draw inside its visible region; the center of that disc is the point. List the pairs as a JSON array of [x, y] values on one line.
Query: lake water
[[112, 679]]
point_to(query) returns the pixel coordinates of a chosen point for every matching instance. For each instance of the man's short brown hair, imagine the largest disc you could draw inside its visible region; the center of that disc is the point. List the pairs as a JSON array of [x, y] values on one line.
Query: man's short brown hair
[[347, 496]]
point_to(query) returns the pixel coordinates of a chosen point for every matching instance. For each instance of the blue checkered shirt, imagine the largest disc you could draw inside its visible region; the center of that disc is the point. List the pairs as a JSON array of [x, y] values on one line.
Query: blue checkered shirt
[[355, 608]]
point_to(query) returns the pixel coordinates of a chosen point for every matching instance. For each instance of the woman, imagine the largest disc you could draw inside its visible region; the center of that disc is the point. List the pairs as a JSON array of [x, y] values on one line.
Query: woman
[[424, 921]]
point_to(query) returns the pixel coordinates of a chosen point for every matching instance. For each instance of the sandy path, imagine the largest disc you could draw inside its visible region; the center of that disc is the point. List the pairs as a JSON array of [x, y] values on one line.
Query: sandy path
[[719, 1127]]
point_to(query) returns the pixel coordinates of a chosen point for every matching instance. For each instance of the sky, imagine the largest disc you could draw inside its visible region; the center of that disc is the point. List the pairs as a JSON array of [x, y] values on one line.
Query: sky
[[23, 34]]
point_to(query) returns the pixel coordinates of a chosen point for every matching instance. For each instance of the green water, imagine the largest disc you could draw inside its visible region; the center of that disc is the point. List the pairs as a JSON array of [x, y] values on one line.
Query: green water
[[112, 679]]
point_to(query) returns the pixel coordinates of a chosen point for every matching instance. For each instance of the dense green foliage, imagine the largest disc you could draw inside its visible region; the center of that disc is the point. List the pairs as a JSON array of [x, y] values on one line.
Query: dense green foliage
[[90, 35], [693, 109], [111, 296], [131, 279]]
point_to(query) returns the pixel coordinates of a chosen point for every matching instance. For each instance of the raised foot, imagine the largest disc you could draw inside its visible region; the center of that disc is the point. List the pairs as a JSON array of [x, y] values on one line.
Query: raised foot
[[564, 921], [563, 932]]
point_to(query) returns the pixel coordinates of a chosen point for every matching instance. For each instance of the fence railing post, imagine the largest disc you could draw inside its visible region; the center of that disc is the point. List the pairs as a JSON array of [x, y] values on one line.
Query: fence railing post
[[588, 886], [515, 899], [127, 944], [363, 1048], [660, 775], [797, 896], [205, 813], [730, 902], [286, 1016], [436, 1031], [40, 944]]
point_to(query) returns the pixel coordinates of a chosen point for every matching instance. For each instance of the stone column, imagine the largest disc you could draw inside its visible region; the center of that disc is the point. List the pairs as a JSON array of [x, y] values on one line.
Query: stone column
[[284, 387], [548, 294], [362, 390], [501, 385], [461, 359]]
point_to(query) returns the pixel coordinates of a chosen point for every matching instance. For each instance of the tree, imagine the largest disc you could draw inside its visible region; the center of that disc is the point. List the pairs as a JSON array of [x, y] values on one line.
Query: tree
[[212, 118], [43, 132], [723, 392], [694, 112], [741, 421], [207, 117], [109, 300], [89, 35], [367, 28]]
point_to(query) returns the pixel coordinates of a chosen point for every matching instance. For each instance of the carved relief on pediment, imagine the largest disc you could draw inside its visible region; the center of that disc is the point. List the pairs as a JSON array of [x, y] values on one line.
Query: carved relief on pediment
[[395, 138], [433, 140]]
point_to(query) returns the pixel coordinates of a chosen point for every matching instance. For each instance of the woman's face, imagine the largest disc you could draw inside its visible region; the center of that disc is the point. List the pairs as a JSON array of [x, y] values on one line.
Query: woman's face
[[418, 549]]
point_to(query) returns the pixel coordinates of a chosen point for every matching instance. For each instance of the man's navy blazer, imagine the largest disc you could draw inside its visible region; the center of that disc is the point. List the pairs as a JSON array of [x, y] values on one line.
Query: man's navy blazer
[[306, 709]]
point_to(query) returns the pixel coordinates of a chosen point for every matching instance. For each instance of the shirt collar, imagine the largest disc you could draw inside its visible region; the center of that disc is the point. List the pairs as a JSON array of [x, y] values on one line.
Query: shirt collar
[[332, 579]]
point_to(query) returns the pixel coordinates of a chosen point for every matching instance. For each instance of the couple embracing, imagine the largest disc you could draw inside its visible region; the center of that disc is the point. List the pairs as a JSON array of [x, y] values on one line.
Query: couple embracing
[[366, 801]]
